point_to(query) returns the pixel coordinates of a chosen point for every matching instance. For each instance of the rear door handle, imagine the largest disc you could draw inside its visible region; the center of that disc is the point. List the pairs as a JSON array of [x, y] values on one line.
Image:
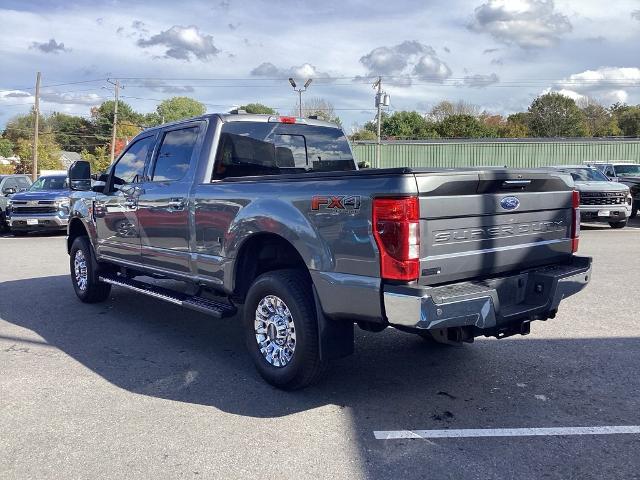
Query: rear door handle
[[131, 202]]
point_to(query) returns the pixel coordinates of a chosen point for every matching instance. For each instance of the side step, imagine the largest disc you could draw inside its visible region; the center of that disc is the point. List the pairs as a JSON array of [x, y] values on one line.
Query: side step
[[193, 302]]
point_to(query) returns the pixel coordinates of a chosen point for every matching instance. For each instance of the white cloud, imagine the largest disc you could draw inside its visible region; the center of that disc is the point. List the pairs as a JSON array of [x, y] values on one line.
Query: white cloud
[[304, 71], [606, 84], [182, 43], [526, 23], [405, 59]]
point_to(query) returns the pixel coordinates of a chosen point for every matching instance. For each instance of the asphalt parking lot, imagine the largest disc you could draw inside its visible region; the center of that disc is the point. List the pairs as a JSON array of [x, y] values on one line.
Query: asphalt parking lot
[[135, 387]]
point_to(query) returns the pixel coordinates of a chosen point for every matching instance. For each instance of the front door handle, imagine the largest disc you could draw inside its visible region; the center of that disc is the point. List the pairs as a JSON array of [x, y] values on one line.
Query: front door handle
[[131, 202], [177, 203]]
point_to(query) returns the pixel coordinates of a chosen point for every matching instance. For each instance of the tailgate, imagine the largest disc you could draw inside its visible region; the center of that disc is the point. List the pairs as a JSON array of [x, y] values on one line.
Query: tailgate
[[482, 223]]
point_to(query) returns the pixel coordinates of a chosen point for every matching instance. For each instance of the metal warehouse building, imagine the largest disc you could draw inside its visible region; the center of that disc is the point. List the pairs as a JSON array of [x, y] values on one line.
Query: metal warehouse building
[[512, 152]]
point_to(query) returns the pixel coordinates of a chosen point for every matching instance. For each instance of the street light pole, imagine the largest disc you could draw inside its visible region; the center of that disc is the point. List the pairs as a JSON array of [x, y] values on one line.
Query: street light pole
[[300, 90]]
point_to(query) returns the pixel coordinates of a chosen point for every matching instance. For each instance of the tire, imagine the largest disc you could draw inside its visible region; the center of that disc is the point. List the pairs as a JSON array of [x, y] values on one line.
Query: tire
[[3, 222], [83, 275], [285, 367], [19, 233], [621, 224], [634, 210]]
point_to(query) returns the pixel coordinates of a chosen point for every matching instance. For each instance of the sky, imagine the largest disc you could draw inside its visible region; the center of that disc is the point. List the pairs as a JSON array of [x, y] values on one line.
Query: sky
[[497, 54]]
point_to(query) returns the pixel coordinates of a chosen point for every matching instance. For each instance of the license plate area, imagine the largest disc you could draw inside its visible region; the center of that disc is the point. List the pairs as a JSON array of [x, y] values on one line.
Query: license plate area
[[604, 213], [32, 221]]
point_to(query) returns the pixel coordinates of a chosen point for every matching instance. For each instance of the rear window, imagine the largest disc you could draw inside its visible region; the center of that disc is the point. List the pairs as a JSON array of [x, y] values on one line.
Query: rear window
[[262, 148]]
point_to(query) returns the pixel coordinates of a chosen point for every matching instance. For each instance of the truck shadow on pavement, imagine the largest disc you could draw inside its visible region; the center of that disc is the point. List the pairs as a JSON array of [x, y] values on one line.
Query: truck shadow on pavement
[[394, 381]]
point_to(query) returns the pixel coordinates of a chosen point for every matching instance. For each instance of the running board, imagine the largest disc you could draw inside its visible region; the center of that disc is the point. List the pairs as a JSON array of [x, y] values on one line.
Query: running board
[[193, 302]]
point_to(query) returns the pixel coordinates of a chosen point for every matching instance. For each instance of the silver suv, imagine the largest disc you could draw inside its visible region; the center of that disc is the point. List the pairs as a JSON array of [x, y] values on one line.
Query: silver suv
[[601, 200]]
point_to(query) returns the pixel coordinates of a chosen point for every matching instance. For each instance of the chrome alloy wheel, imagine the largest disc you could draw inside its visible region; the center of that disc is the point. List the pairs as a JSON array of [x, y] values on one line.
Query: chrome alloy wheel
[[275, 331], [80, 270]]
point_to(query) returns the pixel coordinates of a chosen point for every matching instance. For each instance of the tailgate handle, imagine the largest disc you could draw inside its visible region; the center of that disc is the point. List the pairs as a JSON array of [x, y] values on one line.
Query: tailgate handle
[[515, 183]]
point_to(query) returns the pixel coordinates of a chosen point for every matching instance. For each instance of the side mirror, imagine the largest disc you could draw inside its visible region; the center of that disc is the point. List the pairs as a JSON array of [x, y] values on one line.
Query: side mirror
[[8, 191], [80, 175]]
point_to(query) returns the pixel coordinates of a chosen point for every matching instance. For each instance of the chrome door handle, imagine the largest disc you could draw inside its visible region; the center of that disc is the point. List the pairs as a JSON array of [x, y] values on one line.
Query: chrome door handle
[[131, 202], [177, 203]]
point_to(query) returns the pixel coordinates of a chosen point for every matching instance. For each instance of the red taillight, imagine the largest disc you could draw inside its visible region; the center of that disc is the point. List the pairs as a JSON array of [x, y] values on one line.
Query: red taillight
[[575, 221], [396, 228], [287, 119]]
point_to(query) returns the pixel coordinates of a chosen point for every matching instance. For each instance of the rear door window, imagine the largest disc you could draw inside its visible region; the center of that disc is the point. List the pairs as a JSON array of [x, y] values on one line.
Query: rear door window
[[174, 155]]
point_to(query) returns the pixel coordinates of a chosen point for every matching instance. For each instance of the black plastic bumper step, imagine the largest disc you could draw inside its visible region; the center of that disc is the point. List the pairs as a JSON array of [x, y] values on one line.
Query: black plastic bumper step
[[193, 302]]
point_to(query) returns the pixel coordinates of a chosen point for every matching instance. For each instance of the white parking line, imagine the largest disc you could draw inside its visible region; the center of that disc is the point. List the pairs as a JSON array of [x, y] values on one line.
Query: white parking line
[[504, 432]]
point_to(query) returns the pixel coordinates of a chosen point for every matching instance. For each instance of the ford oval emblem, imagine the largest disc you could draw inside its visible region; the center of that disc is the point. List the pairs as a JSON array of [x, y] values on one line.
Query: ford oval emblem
[[510, 203]]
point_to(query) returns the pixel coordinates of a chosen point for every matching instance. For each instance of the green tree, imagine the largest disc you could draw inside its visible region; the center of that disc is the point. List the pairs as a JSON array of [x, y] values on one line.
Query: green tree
[[74, 133], [178, 108], [21, 126], [405, 124], [102, 118], [463, 126], [629, 122], [363, 134], [599, 120], [556, 115], [48, 154], [6, 147], [100, 159], [258, 108]]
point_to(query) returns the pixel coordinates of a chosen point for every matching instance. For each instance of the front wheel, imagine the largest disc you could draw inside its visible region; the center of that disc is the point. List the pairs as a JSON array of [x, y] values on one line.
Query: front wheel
[[621, 224], [281, 329], [634, 210], [85, 280]]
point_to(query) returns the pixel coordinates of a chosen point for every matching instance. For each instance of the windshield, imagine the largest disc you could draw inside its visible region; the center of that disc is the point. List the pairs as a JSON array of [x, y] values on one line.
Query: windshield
[[630, 170], [49, 183], [586, 175]]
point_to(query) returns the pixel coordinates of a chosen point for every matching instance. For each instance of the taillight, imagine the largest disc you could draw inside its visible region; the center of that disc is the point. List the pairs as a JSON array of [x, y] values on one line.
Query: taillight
[[575, 224], [396, 228]]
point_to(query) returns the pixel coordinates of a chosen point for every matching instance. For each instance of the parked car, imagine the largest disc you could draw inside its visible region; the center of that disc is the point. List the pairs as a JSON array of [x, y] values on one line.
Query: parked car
[[627, 173], [43, 207], [10, 184], [272, 214], [601, 200]]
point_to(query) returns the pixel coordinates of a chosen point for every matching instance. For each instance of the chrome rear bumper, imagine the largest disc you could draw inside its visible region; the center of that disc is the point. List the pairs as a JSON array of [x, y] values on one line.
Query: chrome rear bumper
[[531, 295]]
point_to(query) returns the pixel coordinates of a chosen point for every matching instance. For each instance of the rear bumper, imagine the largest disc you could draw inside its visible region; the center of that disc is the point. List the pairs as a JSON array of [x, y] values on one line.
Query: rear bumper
[[490, 304]]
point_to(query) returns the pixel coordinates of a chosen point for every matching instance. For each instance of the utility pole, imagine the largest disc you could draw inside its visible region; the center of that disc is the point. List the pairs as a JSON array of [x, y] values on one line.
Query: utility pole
[[382, 100], [115, 118], [36, 121]]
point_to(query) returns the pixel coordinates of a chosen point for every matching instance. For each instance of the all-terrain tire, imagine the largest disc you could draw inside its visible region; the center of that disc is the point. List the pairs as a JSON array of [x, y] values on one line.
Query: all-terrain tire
[[293, 288], [84, 276]]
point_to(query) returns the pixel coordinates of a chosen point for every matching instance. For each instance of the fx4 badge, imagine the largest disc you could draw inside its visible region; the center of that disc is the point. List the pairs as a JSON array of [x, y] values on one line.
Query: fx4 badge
[[335, 203]]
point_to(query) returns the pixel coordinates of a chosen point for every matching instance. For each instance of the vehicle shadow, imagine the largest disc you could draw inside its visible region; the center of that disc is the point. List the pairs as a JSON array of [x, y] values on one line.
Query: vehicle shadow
[[394, 380]]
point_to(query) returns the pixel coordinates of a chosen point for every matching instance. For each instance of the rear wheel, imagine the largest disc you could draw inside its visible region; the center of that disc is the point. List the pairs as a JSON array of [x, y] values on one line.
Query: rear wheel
[[621, 224], [634, 210], [281, 329], [83, 275]]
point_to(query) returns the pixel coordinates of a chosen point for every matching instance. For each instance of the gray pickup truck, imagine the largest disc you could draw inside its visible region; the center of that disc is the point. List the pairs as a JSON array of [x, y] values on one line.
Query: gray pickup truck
[[270, 217]]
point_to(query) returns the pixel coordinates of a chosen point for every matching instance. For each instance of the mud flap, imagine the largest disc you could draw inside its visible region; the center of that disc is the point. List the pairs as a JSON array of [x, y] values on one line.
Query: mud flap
[[336, 338]]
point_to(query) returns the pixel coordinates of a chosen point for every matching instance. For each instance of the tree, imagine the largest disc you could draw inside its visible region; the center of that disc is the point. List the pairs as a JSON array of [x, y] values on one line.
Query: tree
[[599, 120], [321, 108], [446, 108], [74, 133], [630, 122], [362, 134], [405, 124], [179, 108], [100, 159], [258, 108], [102, 118], [556, 115], [463, 126], [6, 147], [21, 126], [48, 154]]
